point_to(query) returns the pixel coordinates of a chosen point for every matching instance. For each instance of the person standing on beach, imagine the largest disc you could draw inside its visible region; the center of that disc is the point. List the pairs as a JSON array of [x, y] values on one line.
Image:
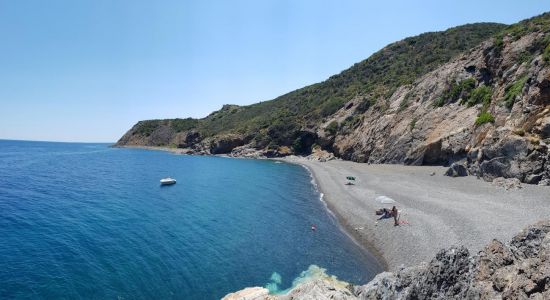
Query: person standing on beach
[[394, 213]]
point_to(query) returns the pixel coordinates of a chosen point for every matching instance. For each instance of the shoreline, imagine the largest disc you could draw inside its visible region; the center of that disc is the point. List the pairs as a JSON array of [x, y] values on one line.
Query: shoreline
[[439, 211], [346, 228]]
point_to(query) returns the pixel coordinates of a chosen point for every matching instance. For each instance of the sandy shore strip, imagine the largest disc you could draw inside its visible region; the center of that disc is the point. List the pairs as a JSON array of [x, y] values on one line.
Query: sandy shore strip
[[438, 211]]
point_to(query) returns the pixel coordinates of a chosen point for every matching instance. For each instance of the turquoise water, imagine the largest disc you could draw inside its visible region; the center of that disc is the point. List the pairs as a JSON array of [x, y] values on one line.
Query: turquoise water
[[89, 221]]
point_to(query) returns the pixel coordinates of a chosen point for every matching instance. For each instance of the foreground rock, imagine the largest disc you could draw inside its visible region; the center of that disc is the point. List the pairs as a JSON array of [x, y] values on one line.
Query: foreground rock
[[457, 170], [518, 270]]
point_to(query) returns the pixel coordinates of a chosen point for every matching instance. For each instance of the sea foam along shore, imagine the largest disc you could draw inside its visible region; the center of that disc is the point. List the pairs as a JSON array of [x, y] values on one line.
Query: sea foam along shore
[[437, 211]]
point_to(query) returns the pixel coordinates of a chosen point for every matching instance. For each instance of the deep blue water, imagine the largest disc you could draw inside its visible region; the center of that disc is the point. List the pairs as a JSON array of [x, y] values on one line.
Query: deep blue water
[[89, 221]]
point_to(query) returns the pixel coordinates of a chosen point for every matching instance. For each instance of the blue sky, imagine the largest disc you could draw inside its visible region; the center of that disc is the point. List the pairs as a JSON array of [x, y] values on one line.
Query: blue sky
[[88, 70]]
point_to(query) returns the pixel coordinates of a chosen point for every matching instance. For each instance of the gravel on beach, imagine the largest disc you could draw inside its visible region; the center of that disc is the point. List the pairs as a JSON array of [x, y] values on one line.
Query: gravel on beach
[[436, 211]]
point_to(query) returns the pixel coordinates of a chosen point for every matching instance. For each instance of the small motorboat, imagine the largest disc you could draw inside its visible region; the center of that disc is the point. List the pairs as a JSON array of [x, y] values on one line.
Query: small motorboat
[[167, 181]]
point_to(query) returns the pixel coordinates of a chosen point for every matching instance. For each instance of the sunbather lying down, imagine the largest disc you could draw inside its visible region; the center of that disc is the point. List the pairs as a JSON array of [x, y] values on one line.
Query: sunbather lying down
[[388, 213]]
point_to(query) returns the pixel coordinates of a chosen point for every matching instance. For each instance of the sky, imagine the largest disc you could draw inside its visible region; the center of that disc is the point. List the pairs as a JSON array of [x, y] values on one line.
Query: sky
[[86, 71]]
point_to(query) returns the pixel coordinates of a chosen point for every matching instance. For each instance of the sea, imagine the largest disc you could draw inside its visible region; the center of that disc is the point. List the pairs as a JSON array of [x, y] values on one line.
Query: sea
[[89, 221]]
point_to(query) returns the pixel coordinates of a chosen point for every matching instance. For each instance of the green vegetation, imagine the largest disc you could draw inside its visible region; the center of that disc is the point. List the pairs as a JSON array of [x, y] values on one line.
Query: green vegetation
[[484, 117], [481, 94], [331, 106], [539, 23], [405, 102], [546, 54], [180, 125], [147, 127], [513, 91], [456, 91], [375, 78], [525, 57], [499, 42], [332, 128], [413, 123], [350, 123], [279, 122], [365, 104]]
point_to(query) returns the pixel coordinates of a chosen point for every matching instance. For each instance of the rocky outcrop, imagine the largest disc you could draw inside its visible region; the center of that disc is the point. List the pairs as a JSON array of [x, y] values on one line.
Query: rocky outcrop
[[456, 170], [225, 143], [424, 125], [518, 270]]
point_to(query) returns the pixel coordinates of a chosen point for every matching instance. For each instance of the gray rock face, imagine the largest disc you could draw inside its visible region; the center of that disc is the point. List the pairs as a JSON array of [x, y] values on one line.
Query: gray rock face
[[187, 139], [224, 144], [419, 134], [456, 170]]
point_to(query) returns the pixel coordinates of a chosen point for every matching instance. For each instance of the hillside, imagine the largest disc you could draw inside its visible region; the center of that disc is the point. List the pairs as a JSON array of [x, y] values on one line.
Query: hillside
[[474, 94]]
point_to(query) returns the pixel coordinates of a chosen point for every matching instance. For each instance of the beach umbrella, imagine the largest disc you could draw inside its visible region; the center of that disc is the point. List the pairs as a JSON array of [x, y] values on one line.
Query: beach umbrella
[[384, 200], [350, 180]]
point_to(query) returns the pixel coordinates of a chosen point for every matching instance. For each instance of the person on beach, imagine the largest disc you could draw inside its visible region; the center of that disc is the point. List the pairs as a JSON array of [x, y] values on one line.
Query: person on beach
[[395, 214], [385, 213]]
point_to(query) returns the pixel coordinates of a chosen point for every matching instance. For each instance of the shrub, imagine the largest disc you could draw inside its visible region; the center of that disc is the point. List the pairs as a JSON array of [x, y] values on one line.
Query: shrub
[[413, 123], [332, 106], [352, 121], [147, 127], [525, 57], [439, 101], [546, 54], [184, 124], [484, 117], [481, 94], [456, 91], [499, 43], [332, 128], [365, 105], [513, 91]]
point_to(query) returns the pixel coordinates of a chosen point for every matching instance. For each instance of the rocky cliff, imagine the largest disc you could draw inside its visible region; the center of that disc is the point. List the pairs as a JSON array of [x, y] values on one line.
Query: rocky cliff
[[519, 269], [476, 95]]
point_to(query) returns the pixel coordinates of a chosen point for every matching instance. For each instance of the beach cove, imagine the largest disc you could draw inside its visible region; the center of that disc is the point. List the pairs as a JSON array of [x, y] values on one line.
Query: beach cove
[[92, 221], [437, 211]]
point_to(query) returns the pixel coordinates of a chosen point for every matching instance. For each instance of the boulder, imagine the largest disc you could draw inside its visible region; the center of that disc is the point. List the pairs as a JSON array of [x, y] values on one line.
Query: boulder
[[456, 170], [507, 183], [533, 178], [544, 127]]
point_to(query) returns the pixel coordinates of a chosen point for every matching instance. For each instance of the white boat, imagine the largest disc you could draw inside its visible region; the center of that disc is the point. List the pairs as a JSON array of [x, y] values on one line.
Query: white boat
[[167, 181]]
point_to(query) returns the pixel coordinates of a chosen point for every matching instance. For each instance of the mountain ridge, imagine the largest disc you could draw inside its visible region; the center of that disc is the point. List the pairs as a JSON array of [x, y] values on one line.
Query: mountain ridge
[[359, 114]]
